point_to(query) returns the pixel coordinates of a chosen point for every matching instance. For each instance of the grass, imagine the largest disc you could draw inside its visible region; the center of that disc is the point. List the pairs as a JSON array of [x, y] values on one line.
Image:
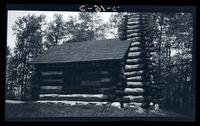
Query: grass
[[29, 110]]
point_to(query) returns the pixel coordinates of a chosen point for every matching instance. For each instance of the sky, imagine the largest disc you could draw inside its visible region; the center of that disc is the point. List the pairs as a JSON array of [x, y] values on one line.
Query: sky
[[13, 15]]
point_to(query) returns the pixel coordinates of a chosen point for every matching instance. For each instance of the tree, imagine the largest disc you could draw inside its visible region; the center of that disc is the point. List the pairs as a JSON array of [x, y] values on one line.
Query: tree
[[55, 32], [173, 35], [29, 35], [9, 84], [116, 25], [87, 26]]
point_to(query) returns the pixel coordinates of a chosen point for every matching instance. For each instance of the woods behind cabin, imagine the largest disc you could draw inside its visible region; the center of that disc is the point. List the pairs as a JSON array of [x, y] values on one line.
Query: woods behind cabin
[[172, 36]]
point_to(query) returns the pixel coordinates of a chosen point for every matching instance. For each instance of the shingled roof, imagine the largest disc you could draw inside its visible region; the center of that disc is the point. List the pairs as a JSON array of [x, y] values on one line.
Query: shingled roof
[[84, 51]]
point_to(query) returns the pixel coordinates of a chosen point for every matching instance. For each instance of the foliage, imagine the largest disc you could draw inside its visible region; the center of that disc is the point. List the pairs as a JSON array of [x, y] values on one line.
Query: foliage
[[29, 34], [173, 37], [88, 26], [55, 32], [115, 25]]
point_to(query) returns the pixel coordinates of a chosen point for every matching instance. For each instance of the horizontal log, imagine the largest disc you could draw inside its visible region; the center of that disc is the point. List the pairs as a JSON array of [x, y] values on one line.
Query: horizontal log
[[134, 15], [134, 54], [130, 31], [133, 22], [73, 95], [133, 67], [135, 98], [135, 60], [135, 49], [133, 19], [134, 84], [136, 78], [133, 70], [135, 44], [50, 83], [133, 63], [106, 79], [74, 99], [52, 73], [133, 90], [105, 72], [132, 104], [69, 90], [51, 87], [52, 80], [133, 27], [133, 35], [73, 102], [134, 39], [134, 73]]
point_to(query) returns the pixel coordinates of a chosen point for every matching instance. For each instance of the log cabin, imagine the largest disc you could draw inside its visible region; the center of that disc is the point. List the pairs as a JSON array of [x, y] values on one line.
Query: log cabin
[[111, 70], [91, 67]]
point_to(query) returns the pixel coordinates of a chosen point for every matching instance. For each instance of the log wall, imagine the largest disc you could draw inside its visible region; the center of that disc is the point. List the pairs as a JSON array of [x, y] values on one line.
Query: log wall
[[137, 70], [87, 79]]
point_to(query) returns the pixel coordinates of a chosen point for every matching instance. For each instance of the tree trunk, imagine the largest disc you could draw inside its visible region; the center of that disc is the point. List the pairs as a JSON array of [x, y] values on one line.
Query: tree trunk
[[159, 47]]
